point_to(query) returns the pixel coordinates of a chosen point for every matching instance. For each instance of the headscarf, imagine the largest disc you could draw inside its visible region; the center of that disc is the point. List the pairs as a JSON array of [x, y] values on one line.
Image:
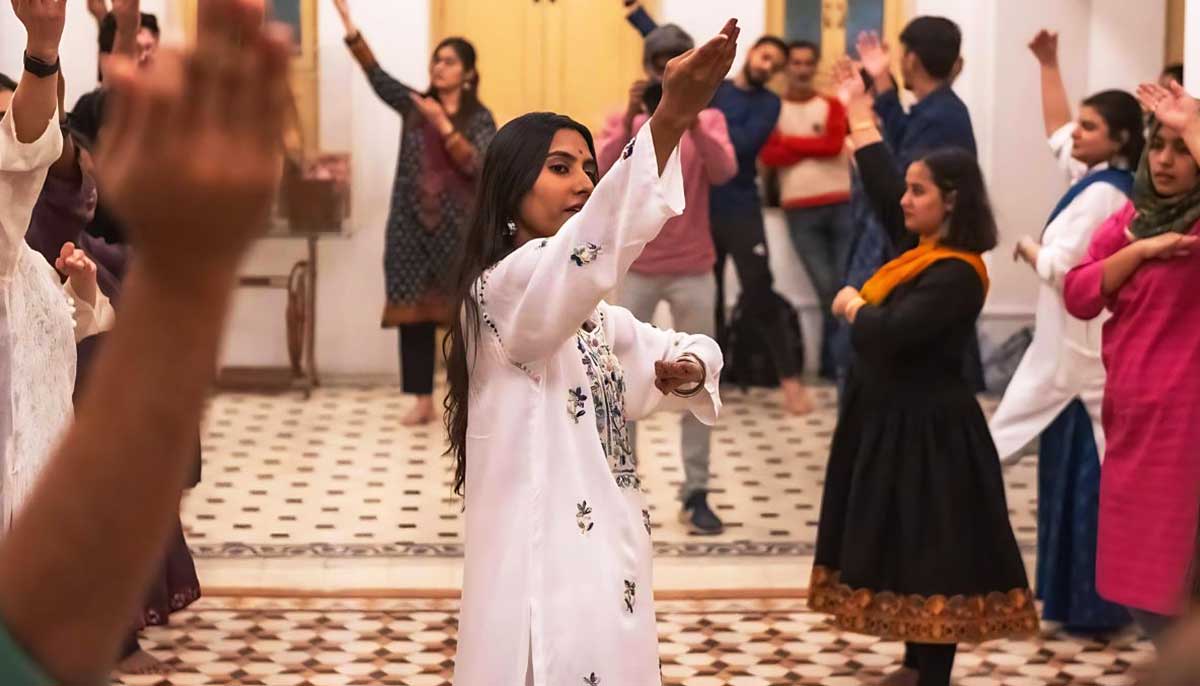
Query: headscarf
[[1157, 214]]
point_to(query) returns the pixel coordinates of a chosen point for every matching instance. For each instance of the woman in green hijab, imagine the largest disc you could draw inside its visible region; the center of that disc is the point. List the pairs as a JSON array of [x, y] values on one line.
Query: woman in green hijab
[[1141, 268]]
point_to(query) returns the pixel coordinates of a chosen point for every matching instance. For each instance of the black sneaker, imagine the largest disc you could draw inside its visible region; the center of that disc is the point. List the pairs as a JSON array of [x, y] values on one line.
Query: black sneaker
[[699, 518]]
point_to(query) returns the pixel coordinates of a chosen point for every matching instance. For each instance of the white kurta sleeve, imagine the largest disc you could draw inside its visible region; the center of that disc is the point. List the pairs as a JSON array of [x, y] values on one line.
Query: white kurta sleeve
[[536, 298], [1072, 232], [1062, 144], [639, 345], [23, 169], [91, 318]]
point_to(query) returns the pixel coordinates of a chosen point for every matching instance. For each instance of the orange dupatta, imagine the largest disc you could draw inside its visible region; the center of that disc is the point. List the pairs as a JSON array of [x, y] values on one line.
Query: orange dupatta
[[909, 266]]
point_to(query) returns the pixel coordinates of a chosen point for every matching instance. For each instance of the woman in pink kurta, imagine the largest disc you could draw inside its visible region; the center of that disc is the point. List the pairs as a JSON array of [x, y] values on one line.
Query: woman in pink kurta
[[1142, 266]]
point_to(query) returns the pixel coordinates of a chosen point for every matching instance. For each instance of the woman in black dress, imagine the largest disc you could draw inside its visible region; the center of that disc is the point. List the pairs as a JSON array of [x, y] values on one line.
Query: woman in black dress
[[915, 543]]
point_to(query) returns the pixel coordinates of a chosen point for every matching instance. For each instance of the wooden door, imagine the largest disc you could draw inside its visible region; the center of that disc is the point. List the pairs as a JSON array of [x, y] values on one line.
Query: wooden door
[[593, 56], [576, 57], [507, 39]]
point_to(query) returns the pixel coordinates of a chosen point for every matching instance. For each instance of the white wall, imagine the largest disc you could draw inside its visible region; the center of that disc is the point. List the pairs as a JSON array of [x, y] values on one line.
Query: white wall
[[1192, 47], [703, 18]]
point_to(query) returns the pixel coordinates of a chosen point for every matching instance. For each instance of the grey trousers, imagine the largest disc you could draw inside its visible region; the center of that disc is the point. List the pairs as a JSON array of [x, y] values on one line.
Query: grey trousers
[[690, 297]]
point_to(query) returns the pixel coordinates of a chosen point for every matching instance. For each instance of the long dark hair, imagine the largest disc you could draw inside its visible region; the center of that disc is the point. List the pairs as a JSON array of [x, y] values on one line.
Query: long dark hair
[[1122, 114], [510, 169], [469, 100], [972, 224]]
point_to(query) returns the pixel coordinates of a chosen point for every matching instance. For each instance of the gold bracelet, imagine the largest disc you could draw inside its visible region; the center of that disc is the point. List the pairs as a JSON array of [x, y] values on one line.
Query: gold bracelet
[[694, 391]]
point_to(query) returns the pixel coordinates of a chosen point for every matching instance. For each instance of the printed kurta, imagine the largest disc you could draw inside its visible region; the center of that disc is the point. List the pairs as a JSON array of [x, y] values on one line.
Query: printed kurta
[[558, 560]]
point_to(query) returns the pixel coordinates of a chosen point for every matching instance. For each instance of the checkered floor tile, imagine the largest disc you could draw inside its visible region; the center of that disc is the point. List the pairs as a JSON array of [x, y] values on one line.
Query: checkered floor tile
[[355, 642], [337, 476]]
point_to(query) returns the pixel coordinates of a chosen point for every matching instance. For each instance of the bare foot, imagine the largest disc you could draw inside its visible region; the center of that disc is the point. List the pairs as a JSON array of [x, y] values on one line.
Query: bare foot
[[142, 662], [904, 676], [795, 397], [421, 413]]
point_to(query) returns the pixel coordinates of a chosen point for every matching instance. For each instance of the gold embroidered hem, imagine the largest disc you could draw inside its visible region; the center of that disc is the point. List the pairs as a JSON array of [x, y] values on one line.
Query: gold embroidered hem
[[923, 619]]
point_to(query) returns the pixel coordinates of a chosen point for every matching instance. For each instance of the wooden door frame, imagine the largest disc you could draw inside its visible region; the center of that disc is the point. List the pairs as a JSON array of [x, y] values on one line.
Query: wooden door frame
[[438, 30]]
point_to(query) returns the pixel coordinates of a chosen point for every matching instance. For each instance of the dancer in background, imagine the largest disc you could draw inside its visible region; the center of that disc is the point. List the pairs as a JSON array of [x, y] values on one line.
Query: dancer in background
[[446, 132], [914, 542], [1140, 268], [1058, 388], [544, 375]]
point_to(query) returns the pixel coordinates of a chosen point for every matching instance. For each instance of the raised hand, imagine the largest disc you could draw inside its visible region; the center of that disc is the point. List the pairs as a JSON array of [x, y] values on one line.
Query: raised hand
[[691, 79], [636, 104], [204, 130], [98, 9], [875, 55], [44, 21], [1044, 47], [343, 10], [128, 13], [80, 269], [1173, 106]]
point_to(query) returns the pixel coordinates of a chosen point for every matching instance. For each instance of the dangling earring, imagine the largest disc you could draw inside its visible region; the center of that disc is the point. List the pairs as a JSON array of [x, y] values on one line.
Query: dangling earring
[[512, 228]]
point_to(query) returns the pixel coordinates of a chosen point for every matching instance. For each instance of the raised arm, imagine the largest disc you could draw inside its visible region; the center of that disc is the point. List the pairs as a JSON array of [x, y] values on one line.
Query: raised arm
[[1056, 108], [882, 180], [36, 98], [639, 18], [389, 89], [1176, 108], [537, 297], [129, 437]]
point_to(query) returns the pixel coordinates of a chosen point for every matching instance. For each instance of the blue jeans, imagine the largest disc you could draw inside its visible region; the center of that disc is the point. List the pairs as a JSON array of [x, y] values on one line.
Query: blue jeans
[[823, 237]]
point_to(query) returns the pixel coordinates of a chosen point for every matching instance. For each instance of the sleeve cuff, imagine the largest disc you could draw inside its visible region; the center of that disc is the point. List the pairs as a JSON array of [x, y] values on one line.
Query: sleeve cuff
[[19, 157], [1060, 141], [669, 184], [1045, 264]]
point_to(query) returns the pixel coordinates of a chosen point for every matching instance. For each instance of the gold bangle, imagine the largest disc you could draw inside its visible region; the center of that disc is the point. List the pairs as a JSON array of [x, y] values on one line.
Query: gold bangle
[[695, 390], [861, 126]]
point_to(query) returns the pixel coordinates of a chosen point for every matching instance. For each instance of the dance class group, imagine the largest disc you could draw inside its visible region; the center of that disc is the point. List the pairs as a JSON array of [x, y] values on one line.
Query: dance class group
[[546, 251]]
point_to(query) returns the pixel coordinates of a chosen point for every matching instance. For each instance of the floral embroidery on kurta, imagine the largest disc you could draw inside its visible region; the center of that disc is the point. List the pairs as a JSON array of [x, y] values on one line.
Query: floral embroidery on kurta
[[646, 520], [630, 595], [583, 517], [576, 402], [585, 254], [607, 380], [592, 680]]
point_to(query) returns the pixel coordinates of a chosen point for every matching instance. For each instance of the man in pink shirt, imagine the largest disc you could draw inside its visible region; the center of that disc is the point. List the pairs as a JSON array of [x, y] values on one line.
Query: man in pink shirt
[[677, 267]]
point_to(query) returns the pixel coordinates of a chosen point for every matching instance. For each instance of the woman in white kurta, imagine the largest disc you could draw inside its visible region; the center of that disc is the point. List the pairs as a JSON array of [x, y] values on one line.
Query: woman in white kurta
[[41, 319], [544, 376], [1058, 388]]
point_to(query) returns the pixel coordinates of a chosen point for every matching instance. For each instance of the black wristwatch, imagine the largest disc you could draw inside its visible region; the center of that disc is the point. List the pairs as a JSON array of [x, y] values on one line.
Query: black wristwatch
[[39, 68]]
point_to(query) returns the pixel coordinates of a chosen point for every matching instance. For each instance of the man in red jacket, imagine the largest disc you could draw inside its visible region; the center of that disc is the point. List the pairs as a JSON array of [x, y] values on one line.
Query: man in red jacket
[[808, 150]]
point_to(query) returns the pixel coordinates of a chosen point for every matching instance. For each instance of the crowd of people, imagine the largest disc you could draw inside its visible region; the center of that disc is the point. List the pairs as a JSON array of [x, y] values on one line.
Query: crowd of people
[[542, 227]]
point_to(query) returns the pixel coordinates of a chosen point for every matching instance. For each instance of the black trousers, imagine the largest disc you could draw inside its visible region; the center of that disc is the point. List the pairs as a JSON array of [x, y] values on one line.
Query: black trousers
[[933, 661], [742, 236], [417, 350]]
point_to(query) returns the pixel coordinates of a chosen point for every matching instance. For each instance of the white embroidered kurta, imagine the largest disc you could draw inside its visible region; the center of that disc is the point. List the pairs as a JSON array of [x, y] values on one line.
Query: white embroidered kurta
[[37, 331], [1063, 361], [558, 544]]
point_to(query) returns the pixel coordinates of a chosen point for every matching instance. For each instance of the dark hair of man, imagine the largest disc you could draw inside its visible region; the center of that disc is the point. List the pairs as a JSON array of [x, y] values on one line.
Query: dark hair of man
[[936, 41], [805, 45]]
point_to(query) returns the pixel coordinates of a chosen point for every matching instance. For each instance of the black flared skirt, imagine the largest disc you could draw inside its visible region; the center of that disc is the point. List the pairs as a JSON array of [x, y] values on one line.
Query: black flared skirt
[[915, 542]]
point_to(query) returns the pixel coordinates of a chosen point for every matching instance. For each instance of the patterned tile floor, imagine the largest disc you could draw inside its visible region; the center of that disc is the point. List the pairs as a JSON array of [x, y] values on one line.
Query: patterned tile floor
[[351, 642], [337, 477]]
